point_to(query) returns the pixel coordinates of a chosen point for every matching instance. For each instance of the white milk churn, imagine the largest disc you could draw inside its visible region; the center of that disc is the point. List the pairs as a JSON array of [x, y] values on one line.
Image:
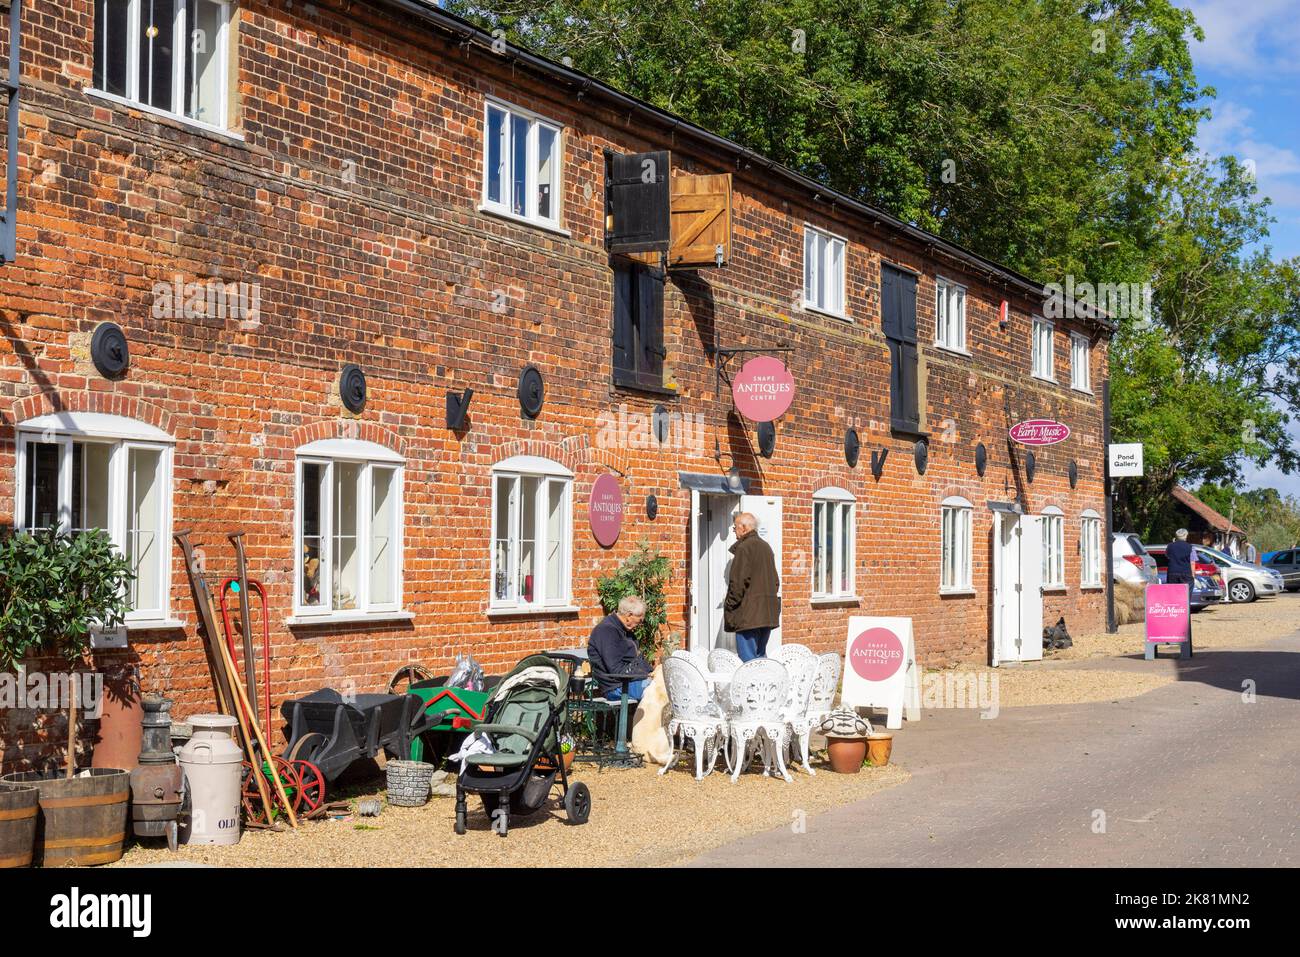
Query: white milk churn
[[213, 765]]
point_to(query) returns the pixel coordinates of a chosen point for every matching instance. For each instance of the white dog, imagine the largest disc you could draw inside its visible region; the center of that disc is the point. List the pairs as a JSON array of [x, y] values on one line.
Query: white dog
[[650, 723]]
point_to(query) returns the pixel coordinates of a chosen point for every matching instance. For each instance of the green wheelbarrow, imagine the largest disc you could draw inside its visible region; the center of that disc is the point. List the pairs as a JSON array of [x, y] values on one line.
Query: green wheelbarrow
[[460, 710]]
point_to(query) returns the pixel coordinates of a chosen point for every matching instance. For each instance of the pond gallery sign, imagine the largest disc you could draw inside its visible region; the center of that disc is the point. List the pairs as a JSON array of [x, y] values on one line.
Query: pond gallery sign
[[1169, 618], [763, 389], [1039, 432], [880, 668]]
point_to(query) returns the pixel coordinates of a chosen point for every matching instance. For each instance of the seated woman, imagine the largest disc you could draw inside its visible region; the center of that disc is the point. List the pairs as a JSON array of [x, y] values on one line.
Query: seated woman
[[612, 650]]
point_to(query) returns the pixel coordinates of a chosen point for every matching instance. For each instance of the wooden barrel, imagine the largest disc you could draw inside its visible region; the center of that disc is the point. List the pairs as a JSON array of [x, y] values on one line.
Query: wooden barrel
[[18, 810], [82, 819]]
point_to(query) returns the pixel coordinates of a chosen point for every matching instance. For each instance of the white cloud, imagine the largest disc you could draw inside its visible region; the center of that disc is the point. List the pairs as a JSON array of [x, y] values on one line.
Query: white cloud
[[1257, 37]]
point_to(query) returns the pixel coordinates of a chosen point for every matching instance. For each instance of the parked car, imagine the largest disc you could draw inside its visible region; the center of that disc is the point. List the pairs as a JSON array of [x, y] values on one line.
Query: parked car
[[1287, 564], [1245, 582], [1132, 563], [1207, 587]]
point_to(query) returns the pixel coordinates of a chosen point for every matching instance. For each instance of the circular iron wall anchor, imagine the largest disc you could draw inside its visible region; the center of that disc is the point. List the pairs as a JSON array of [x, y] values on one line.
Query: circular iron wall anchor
[[921, 455], [352, 388], [651, 507], [1031, 465], [1074, 473], [532, 391], [659, 424], [852, 448], [109, 350], [766, 439], [981, 459]]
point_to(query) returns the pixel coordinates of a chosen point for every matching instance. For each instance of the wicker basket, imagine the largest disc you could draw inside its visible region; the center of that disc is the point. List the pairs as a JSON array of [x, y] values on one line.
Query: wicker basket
[[408, 783]]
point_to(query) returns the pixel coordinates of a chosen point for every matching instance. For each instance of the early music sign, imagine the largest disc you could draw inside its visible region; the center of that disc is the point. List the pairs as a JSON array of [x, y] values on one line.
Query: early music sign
[[763, 389], [1126, 459], [880, 668], [605, 510], [1169, 618], [1039, 432]]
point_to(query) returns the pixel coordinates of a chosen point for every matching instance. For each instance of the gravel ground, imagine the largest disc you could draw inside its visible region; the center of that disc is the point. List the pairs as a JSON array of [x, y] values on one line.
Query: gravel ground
[[637, 818]]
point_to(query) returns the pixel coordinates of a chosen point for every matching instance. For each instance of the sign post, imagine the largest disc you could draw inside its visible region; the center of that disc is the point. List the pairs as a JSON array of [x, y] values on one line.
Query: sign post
[[880, 668], [1169, 618]]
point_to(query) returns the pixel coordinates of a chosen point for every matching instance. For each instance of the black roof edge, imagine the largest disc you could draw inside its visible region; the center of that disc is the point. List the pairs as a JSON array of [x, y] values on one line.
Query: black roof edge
[[468, 32]]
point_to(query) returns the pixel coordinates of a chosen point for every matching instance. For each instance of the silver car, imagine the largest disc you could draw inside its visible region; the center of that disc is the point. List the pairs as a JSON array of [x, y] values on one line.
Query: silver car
[[1244, 582]]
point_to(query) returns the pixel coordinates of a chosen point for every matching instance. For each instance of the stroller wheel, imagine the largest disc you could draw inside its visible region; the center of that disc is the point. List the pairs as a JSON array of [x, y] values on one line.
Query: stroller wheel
[[577, 803], [460, 822]]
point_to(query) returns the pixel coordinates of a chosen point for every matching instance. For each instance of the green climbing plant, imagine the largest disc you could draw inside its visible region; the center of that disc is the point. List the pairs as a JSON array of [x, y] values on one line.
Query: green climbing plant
[[645, 573]]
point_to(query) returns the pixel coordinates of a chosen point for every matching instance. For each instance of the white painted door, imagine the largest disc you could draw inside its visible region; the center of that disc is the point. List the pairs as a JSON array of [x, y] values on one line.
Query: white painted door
[[712, 536], [1017, 587], [767, 509], [1031, 590]]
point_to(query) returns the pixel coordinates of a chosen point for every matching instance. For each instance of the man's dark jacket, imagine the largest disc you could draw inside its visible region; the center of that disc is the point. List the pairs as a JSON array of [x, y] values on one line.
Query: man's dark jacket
[[752, 584], [613, 649], [1179, 556]]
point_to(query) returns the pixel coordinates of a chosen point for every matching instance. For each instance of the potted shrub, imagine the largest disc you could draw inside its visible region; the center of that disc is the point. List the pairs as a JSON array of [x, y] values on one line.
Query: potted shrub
[[55, 588], [644, 573]]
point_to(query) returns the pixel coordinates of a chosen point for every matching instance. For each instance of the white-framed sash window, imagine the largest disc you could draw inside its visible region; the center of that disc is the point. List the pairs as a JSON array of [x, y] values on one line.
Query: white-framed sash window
[[348, 517], [532, 534], [833, 543], [80, 472], [1044, 356], [955, 544], [1080, 362], [823, 272], [168, 55], [1053, 547], [950, 315], [522, 158]]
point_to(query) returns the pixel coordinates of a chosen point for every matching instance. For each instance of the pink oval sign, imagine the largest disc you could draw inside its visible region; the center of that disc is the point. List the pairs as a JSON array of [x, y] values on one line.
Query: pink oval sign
[[1039, 432], [605, 510], [763, 389], [876, 654]]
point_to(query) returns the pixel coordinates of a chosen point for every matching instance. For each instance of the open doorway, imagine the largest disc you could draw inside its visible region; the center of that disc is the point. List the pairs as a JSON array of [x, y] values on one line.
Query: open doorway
[[711, 539]]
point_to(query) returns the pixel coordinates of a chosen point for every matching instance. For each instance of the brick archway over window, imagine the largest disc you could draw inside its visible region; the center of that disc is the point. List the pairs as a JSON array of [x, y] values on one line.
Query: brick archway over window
[[105, 403], [347, 429]]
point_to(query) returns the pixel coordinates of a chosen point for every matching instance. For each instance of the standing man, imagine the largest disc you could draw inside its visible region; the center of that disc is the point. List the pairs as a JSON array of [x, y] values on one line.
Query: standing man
[[1180, 554], [752, 607]]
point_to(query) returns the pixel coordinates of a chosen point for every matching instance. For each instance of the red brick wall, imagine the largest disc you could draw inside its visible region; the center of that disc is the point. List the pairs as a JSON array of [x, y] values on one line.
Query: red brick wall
[[352, 199]]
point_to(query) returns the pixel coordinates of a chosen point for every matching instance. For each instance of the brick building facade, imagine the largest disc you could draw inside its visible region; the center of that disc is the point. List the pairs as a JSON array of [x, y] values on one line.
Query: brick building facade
[[334, 161]]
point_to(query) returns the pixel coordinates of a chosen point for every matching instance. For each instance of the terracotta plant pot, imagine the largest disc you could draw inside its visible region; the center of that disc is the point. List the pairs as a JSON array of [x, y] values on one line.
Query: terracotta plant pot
[[879, 747], [846, 754]]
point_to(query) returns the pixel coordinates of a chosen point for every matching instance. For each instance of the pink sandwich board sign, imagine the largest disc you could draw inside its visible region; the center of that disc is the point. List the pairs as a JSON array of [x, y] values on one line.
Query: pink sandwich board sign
[[1169, 618]]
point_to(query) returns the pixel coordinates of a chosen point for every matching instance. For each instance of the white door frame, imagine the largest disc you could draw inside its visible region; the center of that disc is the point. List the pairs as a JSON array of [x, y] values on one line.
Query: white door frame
[[1017, 589]]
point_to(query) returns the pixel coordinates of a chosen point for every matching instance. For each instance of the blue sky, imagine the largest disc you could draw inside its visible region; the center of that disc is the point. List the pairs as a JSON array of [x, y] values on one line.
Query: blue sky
[[1251, 56]]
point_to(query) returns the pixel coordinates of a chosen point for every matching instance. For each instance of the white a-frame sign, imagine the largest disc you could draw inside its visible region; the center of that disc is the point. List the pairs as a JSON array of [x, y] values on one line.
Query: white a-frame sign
[[880, 668]]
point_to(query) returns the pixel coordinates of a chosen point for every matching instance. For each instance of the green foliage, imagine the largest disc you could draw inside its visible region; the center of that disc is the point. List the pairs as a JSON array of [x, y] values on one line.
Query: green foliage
[[644, 573], [54, 588], [1269, 519]]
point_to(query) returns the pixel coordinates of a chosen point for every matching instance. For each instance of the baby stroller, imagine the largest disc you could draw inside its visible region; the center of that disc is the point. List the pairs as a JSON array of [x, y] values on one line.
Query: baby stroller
[[520, 737]]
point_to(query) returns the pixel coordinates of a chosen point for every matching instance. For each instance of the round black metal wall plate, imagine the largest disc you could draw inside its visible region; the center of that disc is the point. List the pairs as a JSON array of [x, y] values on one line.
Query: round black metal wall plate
[[1031, 466], [651, 507], [352, 388], [109, 350], [852, 448], [921, 455], [659, 423], [981, 459], [532, 391], [1074, 473], [766, 439]]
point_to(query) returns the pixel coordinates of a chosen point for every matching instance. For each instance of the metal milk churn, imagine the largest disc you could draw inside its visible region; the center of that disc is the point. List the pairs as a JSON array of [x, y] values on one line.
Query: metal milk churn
[[157, 783], [213, 766]]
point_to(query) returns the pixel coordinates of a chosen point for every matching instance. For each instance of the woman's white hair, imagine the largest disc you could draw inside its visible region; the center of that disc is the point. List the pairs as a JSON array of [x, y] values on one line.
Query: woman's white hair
[[631, 605]]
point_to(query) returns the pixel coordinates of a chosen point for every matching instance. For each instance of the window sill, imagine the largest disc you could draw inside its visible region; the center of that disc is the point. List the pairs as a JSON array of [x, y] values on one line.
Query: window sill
[[524, 220], [349, 617], [661, 390], [1091, 586], [196, 126], [520, 612], [1043, 378], [954, 350], [818, 601], [1055, 589], [154, 624], [1075, 388], [841, 316], [958, 592]]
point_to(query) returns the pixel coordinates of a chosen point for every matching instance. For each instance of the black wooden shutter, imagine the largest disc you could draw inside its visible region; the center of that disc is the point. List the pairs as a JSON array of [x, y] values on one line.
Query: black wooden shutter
[[637, 202], [650, 327], [898, 321], [624, 333]]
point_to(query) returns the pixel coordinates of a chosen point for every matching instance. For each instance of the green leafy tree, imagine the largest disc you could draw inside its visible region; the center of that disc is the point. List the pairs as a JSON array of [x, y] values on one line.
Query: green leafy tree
[[644, 573]]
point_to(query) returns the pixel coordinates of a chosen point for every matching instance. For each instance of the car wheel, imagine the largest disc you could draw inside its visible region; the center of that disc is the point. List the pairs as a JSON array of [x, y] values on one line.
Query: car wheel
[[1240, 590]]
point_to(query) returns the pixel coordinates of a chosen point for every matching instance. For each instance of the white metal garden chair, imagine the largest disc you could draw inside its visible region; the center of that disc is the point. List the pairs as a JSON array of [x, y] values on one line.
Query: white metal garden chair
[[802, 669], [695, 714], [723, 661], [820, 703], [758, 695]]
